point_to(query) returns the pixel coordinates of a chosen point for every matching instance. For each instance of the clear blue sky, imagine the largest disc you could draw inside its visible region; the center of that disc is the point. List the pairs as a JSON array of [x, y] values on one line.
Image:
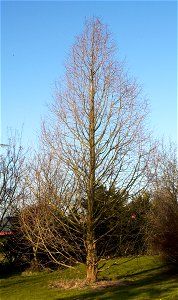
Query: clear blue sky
[[36, 38]]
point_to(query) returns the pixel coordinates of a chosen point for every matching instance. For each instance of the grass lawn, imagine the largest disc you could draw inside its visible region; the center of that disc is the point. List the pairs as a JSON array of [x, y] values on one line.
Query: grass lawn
[[141, 278]]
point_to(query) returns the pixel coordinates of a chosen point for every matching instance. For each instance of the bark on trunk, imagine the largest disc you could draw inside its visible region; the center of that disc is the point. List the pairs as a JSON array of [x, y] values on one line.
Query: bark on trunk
[[92, 266], [35, 261], [90, 238]]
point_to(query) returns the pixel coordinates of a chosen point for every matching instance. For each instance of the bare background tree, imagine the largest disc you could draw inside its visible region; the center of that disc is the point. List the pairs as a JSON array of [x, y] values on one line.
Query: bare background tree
[[166, 169], [45, 218], [163, 225], [97, 131], [12, 172]]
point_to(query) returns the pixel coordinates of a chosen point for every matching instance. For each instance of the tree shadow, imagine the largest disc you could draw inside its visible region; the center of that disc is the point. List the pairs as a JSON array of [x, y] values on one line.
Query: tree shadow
[[151, 287], [142, 272], [7, 270]]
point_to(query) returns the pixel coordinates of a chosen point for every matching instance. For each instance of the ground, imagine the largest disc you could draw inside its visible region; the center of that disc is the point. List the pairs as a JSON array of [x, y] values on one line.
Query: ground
[[141, 278]]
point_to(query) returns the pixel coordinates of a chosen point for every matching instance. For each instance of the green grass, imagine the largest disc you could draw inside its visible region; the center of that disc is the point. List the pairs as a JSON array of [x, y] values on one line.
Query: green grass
[[145, 279]]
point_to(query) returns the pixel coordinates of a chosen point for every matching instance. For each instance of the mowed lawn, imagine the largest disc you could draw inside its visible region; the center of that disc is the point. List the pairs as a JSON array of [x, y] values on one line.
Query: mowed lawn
[[139, 278]]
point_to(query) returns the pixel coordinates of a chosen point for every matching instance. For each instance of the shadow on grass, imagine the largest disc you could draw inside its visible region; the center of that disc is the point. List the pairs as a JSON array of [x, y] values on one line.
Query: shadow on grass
[[7, 270], [144, 272], [149, 287]]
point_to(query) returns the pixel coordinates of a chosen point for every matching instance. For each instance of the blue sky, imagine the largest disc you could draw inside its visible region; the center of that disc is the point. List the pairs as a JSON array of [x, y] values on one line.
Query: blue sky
[[36, 38]]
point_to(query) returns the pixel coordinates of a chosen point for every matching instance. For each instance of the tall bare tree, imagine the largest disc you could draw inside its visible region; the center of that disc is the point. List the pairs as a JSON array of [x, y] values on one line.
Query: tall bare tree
[[97, 131]]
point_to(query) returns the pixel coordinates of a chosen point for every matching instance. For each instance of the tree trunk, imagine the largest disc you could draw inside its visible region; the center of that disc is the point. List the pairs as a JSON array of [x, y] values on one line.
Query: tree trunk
[[35, 261], [92, 265], [90, 240]]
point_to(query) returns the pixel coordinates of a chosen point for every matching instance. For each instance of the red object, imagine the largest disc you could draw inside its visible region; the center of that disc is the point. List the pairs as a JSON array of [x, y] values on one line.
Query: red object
[[4, 233]]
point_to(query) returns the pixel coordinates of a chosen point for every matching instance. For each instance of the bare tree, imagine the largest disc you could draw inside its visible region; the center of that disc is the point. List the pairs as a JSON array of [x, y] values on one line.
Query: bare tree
[[44, 220], [12, 168], [163, 225], [97, 132], [166, 175]]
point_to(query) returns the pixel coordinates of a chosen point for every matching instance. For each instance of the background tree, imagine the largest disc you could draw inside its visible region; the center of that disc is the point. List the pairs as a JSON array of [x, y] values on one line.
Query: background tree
[[163, 229], [12, 174], [16, 249], [163, 168], [45, 220], [138, 210], [97, 132]]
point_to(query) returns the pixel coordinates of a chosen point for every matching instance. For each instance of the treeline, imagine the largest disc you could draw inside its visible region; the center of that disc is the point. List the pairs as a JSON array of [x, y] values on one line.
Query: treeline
[[43, 231]]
